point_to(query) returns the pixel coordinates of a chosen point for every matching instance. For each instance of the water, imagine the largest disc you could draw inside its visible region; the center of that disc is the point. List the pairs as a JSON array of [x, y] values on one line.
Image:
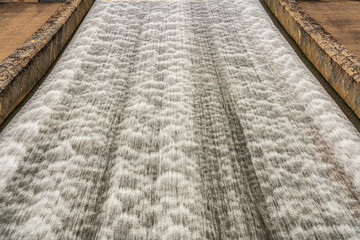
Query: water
[[179, 120]]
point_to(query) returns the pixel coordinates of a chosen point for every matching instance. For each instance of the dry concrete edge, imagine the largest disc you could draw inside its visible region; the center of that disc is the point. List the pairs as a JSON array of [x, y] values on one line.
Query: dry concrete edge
[[21, 71], [337, 64]]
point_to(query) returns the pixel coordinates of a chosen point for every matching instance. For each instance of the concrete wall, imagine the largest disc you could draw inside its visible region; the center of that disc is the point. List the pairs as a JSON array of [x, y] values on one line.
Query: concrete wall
[[22, 1], [337, 64], [20, 72]]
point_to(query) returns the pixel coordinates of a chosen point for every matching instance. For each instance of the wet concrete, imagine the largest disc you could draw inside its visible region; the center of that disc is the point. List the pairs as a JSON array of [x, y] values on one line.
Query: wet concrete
[[19, 21], [340, 18]]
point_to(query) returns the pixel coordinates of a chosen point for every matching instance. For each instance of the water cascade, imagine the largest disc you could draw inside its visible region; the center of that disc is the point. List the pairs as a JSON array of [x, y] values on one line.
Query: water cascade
[[179, 120]]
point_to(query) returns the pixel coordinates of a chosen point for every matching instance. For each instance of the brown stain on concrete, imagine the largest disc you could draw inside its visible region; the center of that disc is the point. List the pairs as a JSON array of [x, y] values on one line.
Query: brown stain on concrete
[[339, 66], [19, 21], [20, 72], [341, 18]]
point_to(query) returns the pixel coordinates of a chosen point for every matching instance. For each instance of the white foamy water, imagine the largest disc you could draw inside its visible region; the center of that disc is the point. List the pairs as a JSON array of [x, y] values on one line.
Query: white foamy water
[[179, 120]]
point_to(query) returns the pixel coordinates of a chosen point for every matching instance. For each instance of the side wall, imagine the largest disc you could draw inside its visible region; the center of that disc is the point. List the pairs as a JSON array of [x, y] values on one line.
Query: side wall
[[20, 72], [337, 64]]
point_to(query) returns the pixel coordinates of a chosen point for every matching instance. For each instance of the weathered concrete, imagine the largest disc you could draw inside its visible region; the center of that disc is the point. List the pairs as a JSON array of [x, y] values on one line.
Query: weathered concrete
[[17, 1], [19, 21], [29, 1], [337, 64], [20, 72], [341, 18]]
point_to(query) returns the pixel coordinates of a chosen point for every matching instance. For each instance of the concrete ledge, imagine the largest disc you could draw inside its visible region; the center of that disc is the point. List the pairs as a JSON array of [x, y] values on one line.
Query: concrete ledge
[[23, 1], [20, 72], [337, 64]]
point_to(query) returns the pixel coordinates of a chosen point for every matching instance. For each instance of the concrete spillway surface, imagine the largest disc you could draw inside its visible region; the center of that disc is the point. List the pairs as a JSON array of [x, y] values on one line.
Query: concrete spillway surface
[[179, 120]]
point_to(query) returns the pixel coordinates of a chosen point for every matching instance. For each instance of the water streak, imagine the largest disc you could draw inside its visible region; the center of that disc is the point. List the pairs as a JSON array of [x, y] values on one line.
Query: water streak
[[179, 120]]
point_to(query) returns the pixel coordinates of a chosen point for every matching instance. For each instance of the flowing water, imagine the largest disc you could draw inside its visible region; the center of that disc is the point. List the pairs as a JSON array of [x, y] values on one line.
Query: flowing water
[[179, 120]]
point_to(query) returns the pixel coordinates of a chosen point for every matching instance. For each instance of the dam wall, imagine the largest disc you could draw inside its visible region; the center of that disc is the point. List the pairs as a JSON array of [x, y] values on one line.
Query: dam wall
[[338, 65], [20, 72], [179, 120]]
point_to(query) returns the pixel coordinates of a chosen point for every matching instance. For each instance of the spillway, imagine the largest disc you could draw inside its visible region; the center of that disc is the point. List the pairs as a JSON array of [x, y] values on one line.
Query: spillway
[[179, 120]]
